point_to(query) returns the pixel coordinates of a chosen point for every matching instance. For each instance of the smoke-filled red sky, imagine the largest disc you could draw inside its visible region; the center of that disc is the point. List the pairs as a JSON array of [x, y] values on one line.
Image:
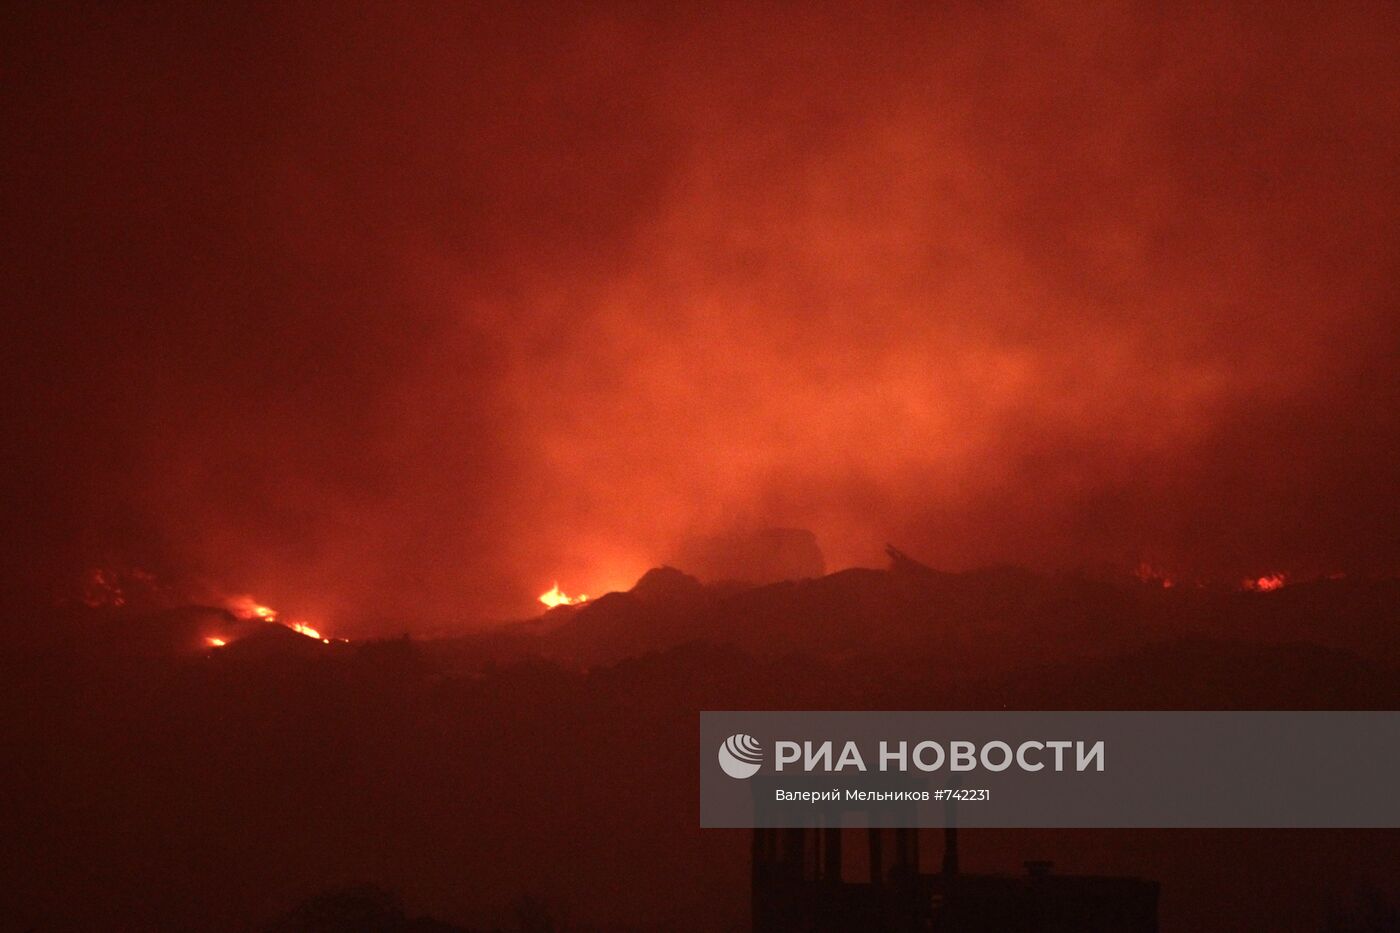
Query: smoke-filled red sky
[[407, 311]]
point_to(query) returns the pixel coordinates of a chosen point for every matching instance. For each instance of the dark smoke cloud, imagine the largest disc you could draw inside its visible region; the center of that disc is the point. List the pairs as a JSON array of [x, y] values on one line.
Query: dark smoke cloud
[[403, 312]]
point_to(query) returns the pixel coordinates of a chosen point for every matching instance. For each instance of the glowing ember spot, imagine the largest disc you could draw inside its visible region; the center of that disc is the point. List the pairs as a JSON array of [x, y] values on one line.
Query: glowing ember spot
[[306, 630], [215, 642], [102, 587], [557, 597], [1153, 576], [1267, 583]]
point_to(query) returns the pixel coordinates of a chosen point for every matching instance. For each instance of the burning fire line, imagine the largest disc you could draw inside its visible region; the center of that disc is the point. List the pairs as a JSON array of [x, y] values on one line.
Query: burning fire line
[[308, 631], [249, 609]]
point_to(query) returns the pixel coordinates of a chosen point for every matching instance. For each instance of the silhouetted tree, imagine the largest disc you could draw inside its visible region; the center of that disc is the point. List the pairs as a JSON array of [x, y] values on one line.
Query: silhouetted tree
[[360, 908], [534, 915], [1369, 912]]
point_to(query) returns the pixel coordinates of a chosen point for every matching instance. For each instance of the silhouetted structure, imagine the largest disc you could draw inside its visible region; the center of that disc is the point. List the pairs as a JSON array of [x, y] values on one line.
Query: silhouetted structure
[[798, 887]]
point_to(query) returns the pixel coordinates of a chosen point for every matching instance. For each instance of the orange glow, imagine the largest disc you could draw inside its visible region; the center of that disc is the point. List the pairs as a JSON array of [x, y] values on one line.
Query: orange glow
[[215, 642], [1267, 583], [246, 607], [557, 597]]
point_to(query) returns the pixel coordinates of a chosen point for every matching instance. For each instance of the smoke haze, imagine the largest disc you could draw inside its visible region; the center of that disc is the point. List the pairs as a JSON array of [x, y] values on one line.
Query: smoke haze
[[407, 312]]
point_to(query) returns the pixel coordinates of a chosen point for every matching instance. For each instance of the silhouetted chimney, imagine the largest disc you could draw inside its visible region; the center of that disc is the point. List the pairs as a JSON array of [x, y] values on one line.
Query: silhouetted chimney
[[950, 850], [950, 838]]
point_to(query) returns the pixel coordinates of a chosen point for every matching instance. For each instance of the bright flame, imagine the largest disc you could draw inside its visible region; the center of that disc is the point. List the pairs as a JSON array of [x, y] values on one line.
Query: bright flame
[[1267, 583], [215, 642], [557, 597], [306, 630]]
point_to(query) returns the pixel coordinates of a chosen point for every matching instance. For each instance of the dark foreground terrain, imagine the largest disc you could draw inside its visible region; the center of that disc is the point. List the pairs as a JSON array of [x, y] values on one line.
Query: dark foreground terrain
[[543, 776]]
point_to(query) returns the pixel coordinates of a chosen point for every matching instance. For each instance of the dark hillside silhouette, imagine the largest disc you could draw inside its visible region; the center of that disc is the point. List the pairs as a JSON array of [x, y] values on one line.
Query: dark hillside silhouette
[[557, 756]]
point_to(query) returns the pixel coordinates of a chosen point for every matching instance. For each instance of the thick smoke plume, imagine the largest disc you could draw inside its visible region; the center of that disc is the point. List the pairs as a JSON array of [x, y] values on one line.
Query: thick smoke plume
[[403, 313]]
